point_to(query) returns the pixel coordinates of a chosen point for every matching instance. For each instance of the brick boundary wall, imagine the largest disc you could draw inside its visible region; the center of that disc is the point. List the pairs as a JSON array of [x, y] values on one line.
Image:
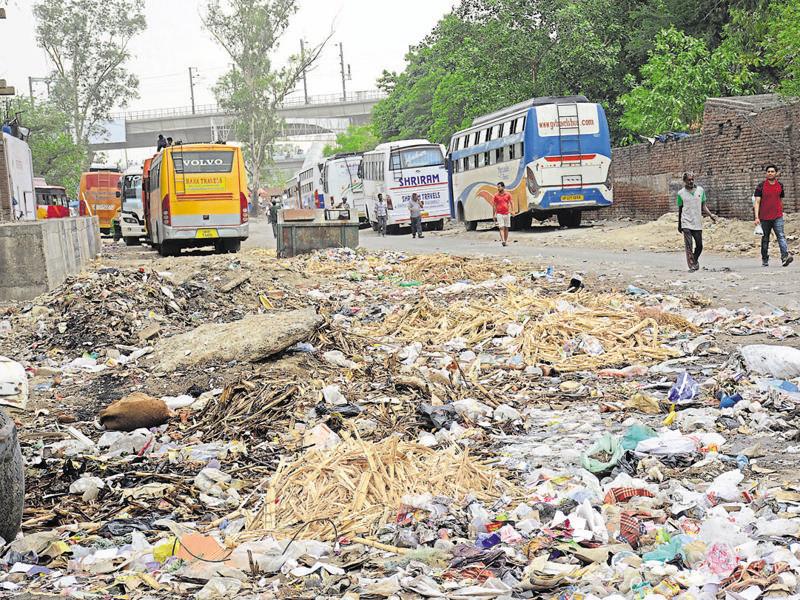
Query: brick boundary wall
[[738, 138]]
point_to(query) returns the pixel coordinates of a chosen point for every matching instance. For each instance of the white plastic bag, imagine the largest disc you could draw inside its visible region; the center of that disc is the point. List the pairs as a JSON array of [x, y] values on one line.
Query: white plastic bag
[[725, 486], [13, 384], [781, 362]]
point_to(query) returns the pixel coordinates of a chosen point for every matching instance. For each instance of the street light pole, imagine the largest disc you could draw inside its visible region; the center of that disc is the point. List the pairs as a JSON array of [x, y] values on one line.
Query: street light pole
[[303, 62], [191, 86], [344, 81]]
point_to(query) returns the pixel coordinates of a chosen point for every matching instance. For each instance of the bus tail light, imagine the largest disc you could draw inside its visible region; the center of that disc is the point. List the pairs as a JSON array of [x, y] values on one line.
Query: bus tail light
[[166, 214], [245, 213], [533, 189]]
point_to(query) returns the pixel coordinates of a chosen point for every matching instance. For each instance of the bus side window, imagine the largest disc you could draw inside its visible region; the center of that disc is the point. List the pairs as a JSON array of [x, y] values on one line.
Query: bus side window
[[498, 155], [475, 161], [511, 149], [476, 138], [522, 150], [395, 162], [522, 121], [513, 127], [487, 158], [489, 134]]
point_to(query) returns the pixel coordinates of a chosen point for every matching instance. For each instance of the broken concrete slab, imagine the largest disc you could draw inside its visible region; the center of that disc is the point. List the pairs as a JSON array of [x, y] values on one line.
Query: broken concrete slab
[[251, 339]]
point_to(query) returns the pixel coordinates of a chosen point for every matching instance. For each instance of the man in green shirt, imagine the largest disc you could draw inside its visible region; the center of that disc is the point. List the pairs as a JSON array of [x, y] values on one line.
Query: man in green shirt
[[691, 208]]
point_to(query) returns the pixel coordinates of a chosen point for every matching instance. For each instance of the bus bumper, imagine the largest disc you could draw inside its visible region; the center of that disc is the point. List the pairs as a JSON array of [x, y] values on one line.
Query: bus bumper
[[571, 198], [240, 232]]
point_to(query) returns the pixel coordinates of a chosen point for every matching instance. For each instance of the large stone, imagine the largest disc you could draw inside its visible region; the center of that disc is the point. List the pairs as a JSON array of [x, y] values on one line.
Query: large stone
[[251, 339], [12, 479]]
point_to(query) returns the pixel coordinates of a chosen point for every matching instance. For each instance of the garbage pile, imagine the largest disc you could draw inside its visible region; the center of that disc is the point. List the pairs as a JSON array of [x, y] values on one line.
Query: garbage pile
[[415, 427]]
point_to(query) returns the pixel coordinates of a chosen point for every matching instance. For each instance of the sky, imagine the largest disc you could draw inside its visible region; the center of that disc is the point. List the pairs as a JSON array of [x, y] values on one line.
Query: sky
[[375, 34]]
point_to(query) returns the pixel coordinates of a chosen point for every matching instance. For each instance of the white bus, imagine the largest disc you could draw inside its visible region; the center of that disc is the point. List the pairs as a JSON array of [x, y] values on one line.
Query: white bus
[[311, 194], [340, 180], [399, 169], [552, 153], [291, 195]]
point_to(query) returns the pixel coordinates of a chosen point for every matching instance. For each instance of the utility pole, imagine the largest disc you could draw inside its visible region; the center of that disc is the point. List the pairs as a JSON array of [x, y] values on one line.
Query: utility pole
[[344, 80], [191, 85], [303, 62]]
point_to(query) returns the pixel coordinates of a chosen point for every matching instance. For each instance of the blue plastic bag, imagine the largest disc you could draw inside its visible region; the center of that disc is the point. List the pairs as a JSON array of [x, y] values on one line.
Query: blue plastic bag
[[685, 389]]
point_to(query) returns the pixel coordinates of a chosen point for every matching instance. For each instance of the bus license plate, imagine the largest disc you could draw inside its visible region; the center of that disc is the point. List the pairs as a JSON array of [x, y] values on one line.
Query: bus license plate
[[205, 234], [571, 197], [425, 214]]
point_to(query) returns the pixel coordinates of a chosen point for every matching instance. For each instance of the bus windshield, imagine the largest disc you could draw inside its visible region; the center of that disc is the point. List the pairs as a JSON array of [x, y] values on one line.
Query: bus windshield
[[416, 158]]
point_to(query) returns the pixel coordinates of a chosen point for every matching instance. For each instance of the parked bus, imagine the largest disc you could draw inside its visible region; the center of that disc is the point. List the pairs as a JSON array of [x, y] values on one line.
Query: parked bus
[[198, 197], [311, 193], [131, 219], [148, 236], [291, 195], [553, 154], [340, 179], [51, 200], [98, 196], [399, 169]]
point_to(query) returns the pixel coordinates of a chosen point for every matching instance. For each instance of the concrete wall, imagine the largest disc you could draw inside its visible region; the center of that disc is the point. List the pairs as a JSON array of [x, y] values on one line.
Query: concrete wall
[[37, 256], [738, 138]]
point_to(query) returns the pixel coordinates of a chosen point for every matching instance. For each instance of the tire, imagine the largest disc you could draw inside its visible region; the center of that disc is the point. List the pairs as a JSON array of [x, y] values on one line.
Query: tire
[[470, 225], [12, 478], [392, 229], [132, 241], [117, 232], [569, 218], [375, 226], [439, 225], [230, 246], [521, 222], [169, 248]]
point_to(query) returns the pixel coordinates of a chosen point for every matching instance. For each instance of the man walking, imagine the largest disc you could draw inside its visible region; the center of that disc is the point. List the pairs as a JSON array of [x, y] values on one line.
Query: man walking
[[501, 211], [691, 208], [415, 207], [381, 214], [768, 209], [273, 217]]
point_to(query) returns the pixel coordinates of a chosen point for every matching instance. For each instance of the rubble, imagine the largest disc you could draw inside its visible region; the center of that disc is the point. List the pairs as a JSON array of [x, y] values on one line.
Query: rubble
[[370, 425]]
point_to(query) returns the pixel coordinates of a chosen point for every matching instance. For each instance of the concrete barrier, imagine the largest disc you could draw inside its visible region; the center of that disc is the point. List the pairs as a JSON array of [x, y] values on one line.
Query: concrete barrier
[[36, 256]]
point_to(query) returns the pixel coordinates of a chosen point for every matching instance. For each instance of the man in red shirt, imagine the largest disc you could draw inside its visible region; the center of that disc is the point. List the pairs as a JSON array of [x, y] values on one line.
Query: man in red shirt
[[768, 209], [501, 211]]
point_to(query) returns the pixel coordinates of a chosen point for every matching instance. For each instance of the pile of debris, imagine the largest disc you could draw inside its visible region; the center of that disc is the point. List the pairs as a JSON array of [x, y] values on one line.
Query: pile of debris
[[411, 427]]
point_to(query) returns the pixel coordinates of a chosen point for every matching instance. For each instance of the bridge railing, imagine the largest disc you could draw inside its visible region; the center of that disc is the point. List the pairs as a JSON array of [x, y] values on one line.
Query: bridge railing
[[214, 109]]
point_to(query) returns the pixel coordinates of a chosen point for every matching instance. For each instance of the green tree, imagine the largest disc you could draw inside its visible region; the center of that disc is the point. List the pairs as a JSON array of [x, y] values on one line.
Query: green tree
[[253, 90], [56, 156], [783, 44], [681, 73], [357, 138], [87, 42]]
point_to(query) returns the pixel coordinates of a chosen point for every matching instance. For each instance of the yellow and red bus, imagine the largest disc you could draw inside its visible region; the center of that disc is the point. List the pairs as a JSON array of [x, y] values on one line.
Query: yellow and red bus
[[98, 196], [198, 197], [51, 200]]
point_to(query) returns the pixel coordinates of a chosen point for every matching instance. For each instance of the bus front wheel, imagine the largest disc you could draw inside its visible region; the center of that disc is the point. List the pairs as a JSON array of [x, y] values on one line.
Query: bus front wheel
[[569, 218], [470, 225]]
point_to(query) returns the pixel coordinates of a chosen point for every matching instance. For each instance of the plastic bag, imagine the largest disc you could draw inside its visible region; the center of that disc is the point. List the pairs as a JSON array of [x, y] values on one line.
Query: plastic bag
[[781, 362], [725, 485], [635, 434], [603, 455], [685, 389], [667, 552]]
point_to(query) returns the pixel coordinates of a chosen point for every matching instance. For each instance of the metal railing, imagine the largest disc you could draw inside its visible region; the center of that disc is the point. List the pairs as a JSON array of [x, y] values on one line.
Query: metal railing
[[214, 109]]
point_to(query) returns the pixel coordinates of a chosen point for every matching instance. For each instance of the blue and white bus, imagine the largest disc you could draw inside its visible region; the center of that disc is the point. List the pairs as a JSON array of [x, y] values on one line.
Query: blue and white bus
[[399, 169], [552, 153]]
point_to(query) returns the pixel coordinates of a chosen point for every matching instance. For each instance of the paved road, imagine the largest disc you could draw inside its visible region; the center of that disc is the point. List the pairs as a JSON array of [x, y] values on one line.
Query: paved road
[[730, 281]]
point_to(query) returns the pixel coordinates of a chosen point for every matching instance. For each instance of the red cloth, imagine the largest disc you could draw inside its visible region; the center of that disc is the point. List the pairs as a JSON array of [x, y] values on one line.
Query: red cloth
[[624, 494], [502, 203], [630, 529], [771, 206]]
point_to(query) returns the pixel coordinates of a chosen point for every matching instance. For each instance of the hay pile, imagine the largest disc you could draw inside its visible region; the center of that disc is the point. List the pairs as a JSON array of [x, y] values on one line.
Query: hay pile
[[559, 330], [360, 486]]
